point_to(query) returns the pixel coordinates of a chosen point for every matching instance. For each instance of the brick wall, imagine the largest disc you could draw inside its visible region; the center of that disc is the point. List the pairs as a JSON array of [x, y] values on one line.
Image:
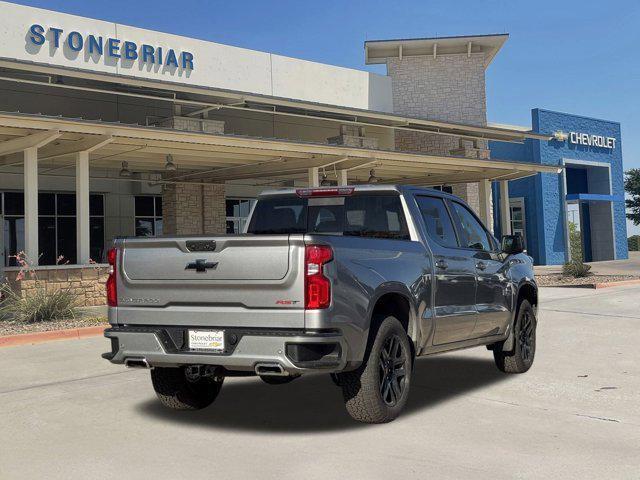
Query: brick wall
[[87, 283], [449, 88]]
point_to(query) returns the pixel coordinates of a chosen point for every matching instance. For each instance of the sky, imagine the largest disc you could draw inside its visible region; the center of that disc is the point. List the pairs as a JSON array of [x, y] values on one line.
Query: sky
[[578, 57]]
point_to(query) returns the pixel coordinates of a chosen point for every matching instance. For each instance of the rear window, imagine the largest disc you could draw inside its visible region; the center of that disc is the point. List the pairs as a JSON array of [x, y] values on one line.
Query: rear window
[[374, 216]]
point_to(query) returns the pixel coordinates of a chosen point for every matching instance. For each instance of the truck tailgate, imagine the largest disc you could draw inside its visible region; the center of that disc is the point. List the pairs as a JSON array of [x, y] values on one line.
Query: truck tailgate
[[233, 281]]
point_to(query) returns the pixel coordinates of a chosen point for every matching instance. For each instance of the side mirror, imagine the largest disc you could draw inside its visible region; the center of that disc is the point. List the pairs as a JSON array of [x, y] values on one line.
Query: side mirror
[[512, 244]]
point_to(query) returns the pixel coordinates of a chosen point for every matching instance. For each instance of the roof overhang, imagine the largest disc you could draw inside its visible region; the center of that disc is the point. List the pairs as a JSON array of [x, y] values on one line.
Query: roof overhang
[[377, 51], [221, 158], [199, 98]]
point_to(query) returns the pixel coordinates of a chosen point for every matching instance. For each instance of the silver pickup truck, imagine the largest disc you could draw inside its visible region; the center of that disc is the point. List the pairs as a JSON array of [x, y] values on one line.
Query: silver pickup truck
[[355, 282]]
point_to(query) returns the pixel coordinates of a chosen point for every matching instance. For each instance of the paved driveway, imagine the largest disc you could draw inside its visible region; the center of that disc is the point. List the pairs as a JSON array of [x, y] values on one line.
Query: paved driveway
[[65, 413]]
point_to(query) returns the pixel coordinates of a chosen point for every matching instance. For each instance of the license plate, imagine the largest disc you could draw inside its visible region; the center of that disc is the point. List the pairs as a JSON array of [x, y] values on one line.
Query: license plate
[[212, 340]]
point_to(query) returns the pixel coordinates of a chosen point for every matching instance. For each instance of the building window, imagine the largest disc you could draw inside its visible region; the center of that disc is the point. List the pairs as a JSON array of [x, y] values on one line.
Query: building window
[[238, 210], [148, 215], [56, 227], [518, 219]]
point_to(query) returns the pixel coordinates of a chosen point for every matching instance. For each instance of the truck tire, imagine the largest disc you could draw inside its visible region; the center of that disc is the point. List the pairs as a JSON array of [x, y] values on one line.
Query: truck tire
[[277, 379], [520, 359], [176, 391], [378, 390]]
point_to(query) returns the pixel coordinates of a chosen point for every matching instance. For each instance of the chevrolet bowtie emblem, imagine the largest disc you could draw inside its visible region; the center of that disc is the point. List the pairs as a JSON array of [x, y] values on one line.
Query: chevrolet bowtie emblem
[[201, 265]]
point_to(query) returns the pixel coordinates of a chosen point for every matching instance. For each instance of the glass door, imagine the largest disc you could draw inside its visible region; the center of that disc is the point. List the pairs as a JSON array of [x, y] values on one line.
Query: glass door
[[518, 226]]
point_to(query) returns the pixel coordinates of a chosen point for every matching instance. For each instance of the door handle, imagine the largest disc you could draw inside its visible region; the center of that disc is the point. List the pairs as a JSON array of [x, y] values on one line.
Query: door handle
[[481, 266], [441, 264]]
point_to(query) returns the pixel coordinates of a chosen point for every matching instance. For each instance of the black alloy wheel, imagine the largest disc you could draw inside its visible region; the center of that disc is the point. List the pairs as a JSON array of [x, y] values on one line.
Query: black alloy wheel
[[392, 373]]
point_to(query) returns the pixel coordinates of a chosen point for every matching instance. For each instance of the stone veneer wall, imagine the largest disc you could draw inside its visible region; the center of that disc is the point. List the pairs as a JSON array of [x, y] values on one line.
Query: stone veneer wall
[[193, 209], [449, 88], [87, 283]]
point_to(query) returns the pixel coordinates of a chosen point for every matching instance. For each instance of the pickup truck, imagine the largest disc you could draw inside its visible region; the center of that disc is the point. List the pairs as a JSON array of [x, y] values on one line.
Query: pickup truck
[[352, 281]]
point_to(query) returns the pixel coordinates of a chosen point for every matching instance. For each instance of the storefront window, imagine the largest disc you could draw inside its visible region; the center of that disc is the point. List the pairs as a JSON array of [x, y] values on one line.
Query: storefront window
[[148, 215], [56, 227], [238, 210]]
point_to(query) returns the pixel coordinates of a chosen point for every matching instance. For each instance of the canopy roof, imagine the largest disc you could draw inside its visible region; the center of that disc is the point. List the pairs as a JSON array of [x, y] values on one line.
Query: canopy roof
[[221, 157]]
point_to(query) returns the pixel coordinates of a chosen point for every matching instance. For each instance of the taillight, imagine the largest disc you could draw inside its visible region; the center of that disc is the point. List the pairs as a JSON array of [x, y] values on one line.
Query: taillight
[[317, 287], [112, 292]]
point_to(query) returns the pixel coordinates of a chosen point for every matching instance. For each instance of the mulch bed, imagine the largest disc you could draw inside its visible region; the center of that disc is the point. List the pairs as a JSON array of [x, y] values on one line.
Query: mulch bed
[[16, 328], [558, 280]]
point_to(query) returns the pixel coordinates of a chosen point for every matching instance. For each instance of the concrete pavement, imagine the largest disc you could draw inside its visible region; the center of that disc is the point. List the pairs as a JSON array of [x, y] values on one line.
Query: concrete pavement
[[67, 414]]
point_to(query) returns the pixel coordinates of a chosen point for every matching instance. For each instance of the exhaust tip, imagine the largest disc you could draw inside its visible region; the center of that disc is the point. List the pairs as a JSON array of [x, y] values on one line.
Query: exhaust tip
[[136, 363], [273, 369]]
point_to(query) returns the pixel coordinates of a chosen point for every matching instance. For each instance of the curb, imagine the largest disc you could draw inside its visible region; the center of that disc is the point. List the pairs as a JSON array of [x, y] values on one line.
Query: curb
[[594, 286], [615, 284], [51, 335]]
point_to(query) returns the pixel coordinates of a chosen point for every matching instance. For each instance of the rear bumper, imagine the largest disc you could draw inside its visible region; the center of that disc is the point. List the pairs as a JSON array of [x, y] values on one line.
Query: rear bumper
[[296, 351]]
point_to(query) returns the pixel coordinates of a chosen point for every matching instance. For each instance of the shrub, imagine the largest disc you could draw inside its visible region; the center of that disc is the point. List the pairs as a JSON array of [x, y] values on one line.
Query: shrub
[[38, 306], [575, 242], [576, 269]]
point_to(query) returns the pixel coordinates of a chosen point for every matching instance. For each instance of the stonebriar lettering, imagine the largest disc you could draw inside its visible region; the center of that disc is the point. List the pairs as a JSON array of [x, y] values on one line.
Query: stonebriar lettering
[[112, 47], [592, 140]]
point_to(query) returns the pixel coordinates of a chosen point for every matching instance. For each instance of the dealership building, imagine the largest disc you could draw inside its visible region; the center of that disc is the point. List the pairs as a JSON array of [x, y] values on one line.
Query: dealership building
[[109, 130]]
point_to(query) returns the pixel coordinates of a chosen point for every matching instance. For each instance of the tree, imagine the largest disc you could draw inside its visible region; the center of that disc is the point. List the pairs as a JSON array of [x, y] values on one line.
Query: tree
[[632, 187]]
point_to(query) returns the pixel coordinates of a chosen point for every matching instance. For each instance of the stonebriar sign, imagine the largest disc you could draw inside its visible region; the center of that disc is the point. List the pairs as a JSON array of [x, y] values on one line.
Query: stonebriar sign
[[115, 48]]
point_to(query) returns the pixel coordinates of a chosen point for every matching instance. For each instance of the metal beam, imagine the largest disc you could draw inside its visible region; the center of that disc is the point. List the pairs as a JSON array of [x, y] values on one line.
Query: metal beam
[[88, 144], [278, 168], [35, 140]]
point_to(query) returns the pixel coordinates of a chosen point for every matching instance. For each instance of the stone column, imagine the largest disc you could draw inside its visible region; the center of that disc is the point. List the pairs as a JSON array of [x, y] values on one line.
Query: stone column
[[214, 209], [449, 88], [193, 209]]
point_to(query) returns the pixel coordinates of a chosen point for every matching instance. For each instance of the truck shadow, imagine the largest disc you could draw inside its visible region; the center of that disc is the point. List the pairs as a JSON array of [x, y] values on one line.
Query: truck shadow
[[314, 404]]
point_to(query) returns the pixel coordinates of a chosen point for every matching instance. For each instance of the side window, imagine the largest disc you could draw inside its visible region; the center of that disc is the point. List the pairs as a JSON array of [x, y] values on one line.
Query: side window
[[375, 216], [437, 221], [472, 232]]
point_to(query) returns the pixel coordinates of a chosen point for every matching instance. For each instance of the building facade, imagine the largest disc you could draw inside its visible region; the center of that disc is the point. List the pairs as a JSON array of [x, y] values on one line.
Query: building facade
[[579, 214], [110, 130]]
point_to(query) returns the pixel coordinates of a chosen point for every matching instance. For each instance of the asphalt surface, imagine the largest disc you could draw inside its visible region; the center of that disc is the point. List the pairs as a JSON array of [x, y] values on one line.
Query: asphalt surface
[[65, 413]]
